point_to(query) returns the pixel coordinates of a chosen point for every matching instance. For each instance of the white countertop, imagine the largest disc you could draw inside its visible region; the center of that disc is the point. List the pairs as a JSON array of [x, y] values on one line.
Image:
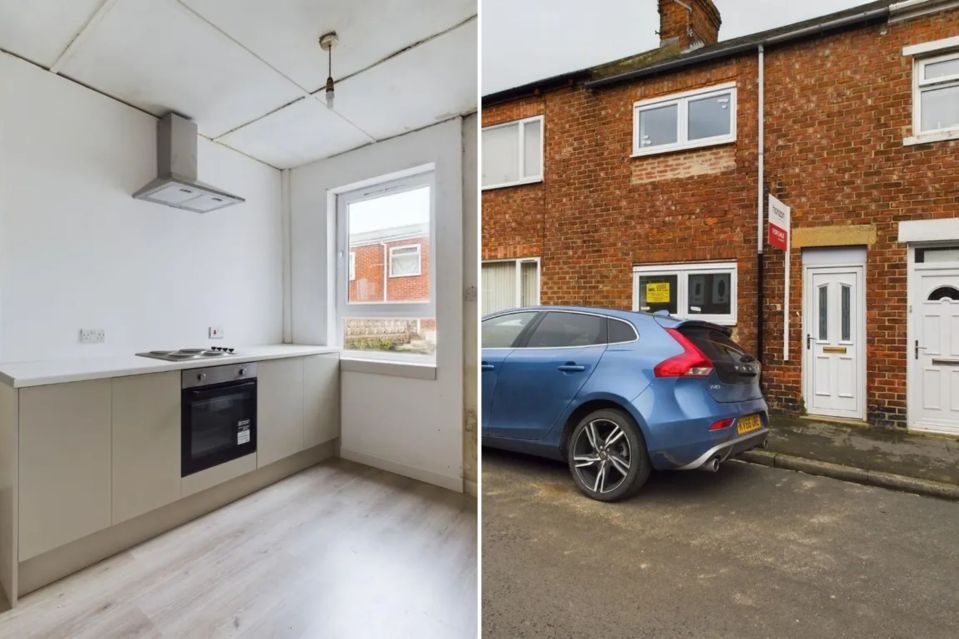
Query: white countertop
[[58, 371]]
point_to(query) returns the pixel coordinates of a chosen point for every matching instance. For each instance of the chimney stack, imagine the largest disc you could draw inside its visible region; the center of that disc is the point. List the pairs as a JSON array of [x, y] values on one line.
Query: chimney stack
[[691, 23]]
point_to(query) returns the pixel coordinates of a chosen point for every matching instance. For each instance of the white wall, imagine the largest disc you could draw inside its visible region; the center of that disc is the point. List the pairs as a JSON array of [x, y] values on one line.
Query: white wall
[[409, 426], [76, 250]]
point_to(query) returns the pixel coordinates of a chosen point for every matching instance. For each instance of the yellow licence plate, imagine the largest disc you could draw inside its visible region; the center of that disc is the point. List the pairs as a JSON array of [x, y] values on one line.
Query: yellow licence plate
[[748, 424]]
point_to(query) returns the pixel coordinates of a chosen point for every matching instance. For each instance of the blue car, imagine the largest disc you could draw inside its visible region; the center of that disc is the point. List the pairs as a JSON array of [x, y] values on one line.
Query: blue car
[[616, 394]]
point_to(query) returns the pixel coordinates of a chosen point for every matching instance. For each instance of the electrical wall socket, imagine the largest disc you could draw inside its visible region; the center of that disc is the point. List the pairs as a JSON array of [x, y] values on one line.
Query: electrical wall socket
[[92, 335], [216, 332]]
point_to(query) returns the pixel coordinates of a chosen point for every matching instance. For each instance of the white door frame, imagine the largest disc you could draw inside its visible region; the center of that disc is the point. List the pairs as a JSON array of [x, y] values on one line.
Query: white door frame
[[912, 286], [843, 263]]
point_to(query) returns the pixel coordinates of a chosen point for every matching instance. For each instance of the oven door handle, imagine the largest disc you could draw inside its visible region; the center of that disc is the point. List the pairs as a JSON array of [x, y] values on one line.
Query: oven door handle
[[219, 389]]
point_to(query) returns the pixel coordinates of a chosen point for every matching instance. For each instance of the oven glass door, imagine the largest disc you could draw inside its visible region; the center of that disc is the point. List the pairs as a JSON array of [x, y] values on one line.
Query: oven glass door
[[219, 424]]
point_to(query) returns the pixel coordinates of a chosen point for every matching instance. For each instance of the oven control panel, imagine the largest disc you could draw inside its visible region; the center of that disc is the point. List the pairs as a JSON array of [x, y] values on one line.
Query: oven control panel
[[197, 377]]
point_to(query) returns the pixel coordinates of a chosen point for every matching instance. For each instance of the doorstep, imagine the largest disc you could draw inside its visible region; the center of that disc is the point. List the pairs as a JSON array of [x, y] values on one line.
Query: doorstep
[[865, 454]]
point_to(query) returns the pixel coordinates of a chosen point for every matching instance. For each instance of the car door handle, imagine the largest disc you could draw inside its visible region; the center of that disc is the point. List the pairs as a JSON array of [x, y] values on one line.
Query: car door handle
[[572, 367], [487, 367]]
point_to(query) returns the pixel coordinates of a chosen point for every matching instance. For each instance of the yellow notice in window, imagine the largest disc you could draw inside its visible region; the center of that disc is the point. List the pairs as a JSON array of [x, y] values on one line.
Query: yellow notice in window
[[657, 293]]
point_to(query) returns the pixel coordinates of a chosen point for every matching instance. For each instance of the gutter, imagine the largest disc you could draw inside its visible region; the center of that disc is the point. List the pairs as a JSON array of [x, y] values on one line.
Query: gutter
[[707, 56]]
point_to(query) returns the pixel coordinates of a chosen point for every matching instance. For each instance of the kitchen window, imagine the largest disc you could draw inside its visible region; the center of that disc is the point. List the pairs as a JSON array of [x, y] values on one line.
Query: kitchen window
[[510, 284], [703, 291], [513, 153], [386, 308], [936, 95], [685, 120], [405, 261]]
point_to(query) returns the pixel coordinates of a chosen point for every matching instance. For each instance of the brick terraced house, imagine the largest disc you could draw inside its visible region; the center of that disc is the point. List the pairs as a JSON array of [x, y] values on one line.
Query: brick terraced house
[[645, 184]]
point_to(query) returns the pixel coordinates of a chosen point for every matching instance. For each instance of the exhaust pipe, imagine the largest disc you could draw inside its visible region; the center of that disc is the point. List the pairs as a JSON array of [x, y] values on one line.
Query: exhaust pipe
[[712, 465]]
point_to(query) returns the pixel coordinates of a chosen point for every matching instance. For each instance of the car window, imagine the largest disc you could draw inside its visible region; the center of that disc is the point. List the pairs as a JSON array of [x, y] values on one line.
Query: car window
[[501, 331], [568, 329], [620, 331]]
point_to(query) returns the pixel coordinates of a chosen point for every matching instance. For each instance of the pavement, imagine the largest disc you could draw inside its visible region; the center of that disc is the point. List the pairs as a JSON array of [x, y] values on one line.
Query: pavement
[[749, 551], [887, 457]]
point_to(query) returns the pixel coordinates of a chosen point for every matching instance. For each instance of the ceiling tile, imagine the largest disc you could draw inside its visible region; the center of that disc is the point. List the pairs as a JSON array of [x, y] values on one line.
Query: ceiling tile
[[39, 30], [297, 134], [157, 55], [422, 86], [285, 32]]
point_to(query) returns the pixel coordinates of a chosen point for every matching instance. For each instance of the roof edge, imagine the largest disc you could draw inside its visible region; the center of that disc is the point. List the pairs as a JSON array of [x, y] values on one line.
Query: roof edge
[[825, 24]]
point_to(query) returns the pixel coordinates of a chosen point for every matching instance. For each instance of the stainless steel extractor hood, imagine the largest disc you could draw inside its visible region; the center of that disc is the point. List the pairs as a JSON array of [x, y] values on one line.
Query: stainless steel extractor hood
[[176, 184]]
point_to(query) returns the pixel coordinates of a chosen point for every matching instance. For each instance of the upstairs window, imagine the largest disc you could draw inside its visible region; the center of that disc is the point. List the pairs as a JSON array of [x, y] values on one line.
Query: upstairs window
[[685, 120], [513, 153], [405, 261], [936, 94]]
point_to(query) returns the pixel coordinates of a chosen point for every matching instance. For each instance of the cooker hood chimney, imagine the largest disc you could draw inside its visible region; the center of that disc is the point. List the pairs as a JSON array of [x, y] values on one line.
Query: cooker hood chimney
[[176, 184]]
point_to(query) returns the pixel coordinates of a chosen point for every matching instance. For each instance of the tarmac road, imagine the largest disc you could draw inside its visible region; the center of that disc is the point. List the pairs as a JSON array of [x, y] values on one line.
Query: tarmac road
[[750, 551]]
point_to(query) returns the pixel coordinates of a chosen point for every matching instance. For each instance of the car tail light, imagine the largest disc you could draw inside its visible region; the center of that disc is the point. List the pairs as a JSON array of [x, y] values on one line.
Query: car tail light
[[722, 423], [690, 363]]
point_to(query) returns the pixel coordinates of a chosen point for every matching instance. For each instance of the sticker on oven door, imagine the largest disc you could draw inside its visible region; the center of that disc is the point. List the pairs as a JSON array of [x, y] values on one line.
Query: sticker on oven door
[[243, 432]]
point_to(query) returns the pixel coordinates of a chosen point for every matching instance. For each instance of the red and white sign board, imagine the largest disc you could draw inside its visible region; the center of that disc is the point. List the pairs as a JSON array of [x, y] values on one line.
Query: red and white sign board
[[779, 221]]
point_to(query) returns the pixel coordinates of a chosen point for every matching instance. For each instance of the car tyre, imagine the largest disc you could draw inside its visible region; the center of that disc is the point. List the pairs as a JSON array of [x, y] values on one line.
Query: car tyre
[[607, 455]]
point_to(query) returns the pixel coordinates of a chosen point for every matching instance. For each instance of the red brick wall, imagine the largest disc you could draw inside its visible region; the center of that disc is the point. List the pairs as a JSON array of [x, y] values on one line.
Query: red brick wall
[[837, 110], [835, 154], [368, 283]]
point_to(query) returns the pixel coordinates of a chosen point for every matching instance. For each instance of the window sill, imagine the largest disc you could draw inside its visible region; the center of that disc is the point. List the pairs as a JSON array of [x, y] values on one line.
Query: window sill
[[506, 185], [374, 366], [646, 152], [929, 138]]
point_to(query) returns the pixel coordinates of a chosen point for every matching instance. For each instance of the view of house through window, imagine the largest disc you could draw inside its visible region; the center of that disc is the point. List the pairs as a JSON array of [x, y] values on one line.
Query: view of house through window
[[388, 305]]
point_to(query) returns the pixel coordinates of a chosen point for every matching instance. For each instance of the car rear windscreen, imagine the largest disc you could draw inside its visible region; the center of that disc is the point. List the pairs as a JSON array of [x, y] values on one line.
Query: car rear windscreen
[[733, 364]]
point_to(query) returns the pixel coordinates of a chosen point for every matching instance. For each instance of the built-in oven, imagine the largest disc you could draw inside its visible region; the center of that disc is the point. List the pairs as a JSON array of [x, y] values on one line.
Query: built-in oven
[[219, 416]]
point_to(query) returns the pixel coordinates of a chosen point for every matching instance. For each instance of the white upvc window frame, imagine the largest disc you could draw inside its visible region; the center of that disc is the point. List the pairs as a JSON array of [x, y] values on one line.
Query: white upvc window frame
[[419, 260], [352, 266], [518, 274], [682, 271], [920, 85], [340, 199], [521, 151], [681, 101]]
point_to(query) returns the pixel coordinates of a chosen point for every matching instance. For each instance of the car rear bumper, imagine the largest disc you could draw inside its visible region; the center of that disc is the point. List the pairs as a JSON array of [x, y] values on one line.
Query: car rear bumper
[[721, 452]]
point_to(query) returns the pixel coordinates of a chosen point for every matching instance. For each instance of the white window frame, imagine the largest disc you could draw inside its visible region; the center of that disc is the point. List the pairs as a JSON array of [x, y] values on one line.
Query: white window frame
[[920, 85], [518, 274], [352, 266], [419, 260], [339, 200], [521, 150], [682, 273], [681, 101]]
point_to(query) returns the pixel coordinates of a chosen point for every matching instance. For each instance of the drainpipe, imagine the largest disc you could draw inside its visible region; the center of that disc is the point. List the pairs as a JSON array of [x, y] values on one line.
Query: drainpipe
[[386, 267], [761, 144]]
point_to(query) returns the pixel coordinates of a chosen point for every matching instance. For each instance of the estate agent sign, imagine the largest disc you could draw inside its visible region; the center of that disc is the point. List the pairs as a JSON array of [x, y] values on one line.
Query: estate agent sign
[[780, 218]]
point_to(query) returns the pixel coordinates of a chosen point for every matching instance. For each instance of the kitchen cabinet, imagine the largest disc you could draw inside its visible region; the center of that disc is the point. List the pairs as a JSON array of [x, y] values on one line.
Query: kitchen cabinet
[[64, 464], [279, 411], [321, 399], [146, 443]]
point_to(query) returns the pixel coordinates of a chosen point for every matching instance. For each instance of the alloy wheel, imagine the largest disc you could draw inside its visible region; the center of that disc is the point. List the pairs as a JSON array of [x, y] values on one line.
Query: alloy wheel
[[602, 455]]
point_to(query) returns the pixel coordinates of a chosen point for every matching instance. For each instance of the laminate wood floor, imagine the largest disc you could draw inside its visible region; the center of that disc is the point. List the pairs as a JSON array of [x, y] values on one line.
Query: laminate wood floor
[[337, 550]]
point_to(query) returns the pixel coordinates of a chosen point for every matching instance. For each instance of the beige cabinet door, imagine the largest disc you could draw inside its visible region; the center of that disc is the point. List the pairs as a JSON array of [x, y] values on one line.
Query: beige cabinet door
[[279, 409], [321, 399], [146, 443], [64, 464]]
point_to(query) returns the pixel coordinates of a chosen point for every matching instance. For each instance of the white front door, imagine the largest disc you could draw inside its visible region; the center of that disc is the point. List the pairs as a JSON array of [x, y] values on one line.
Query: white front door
[[936, 351], [834, 361]]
